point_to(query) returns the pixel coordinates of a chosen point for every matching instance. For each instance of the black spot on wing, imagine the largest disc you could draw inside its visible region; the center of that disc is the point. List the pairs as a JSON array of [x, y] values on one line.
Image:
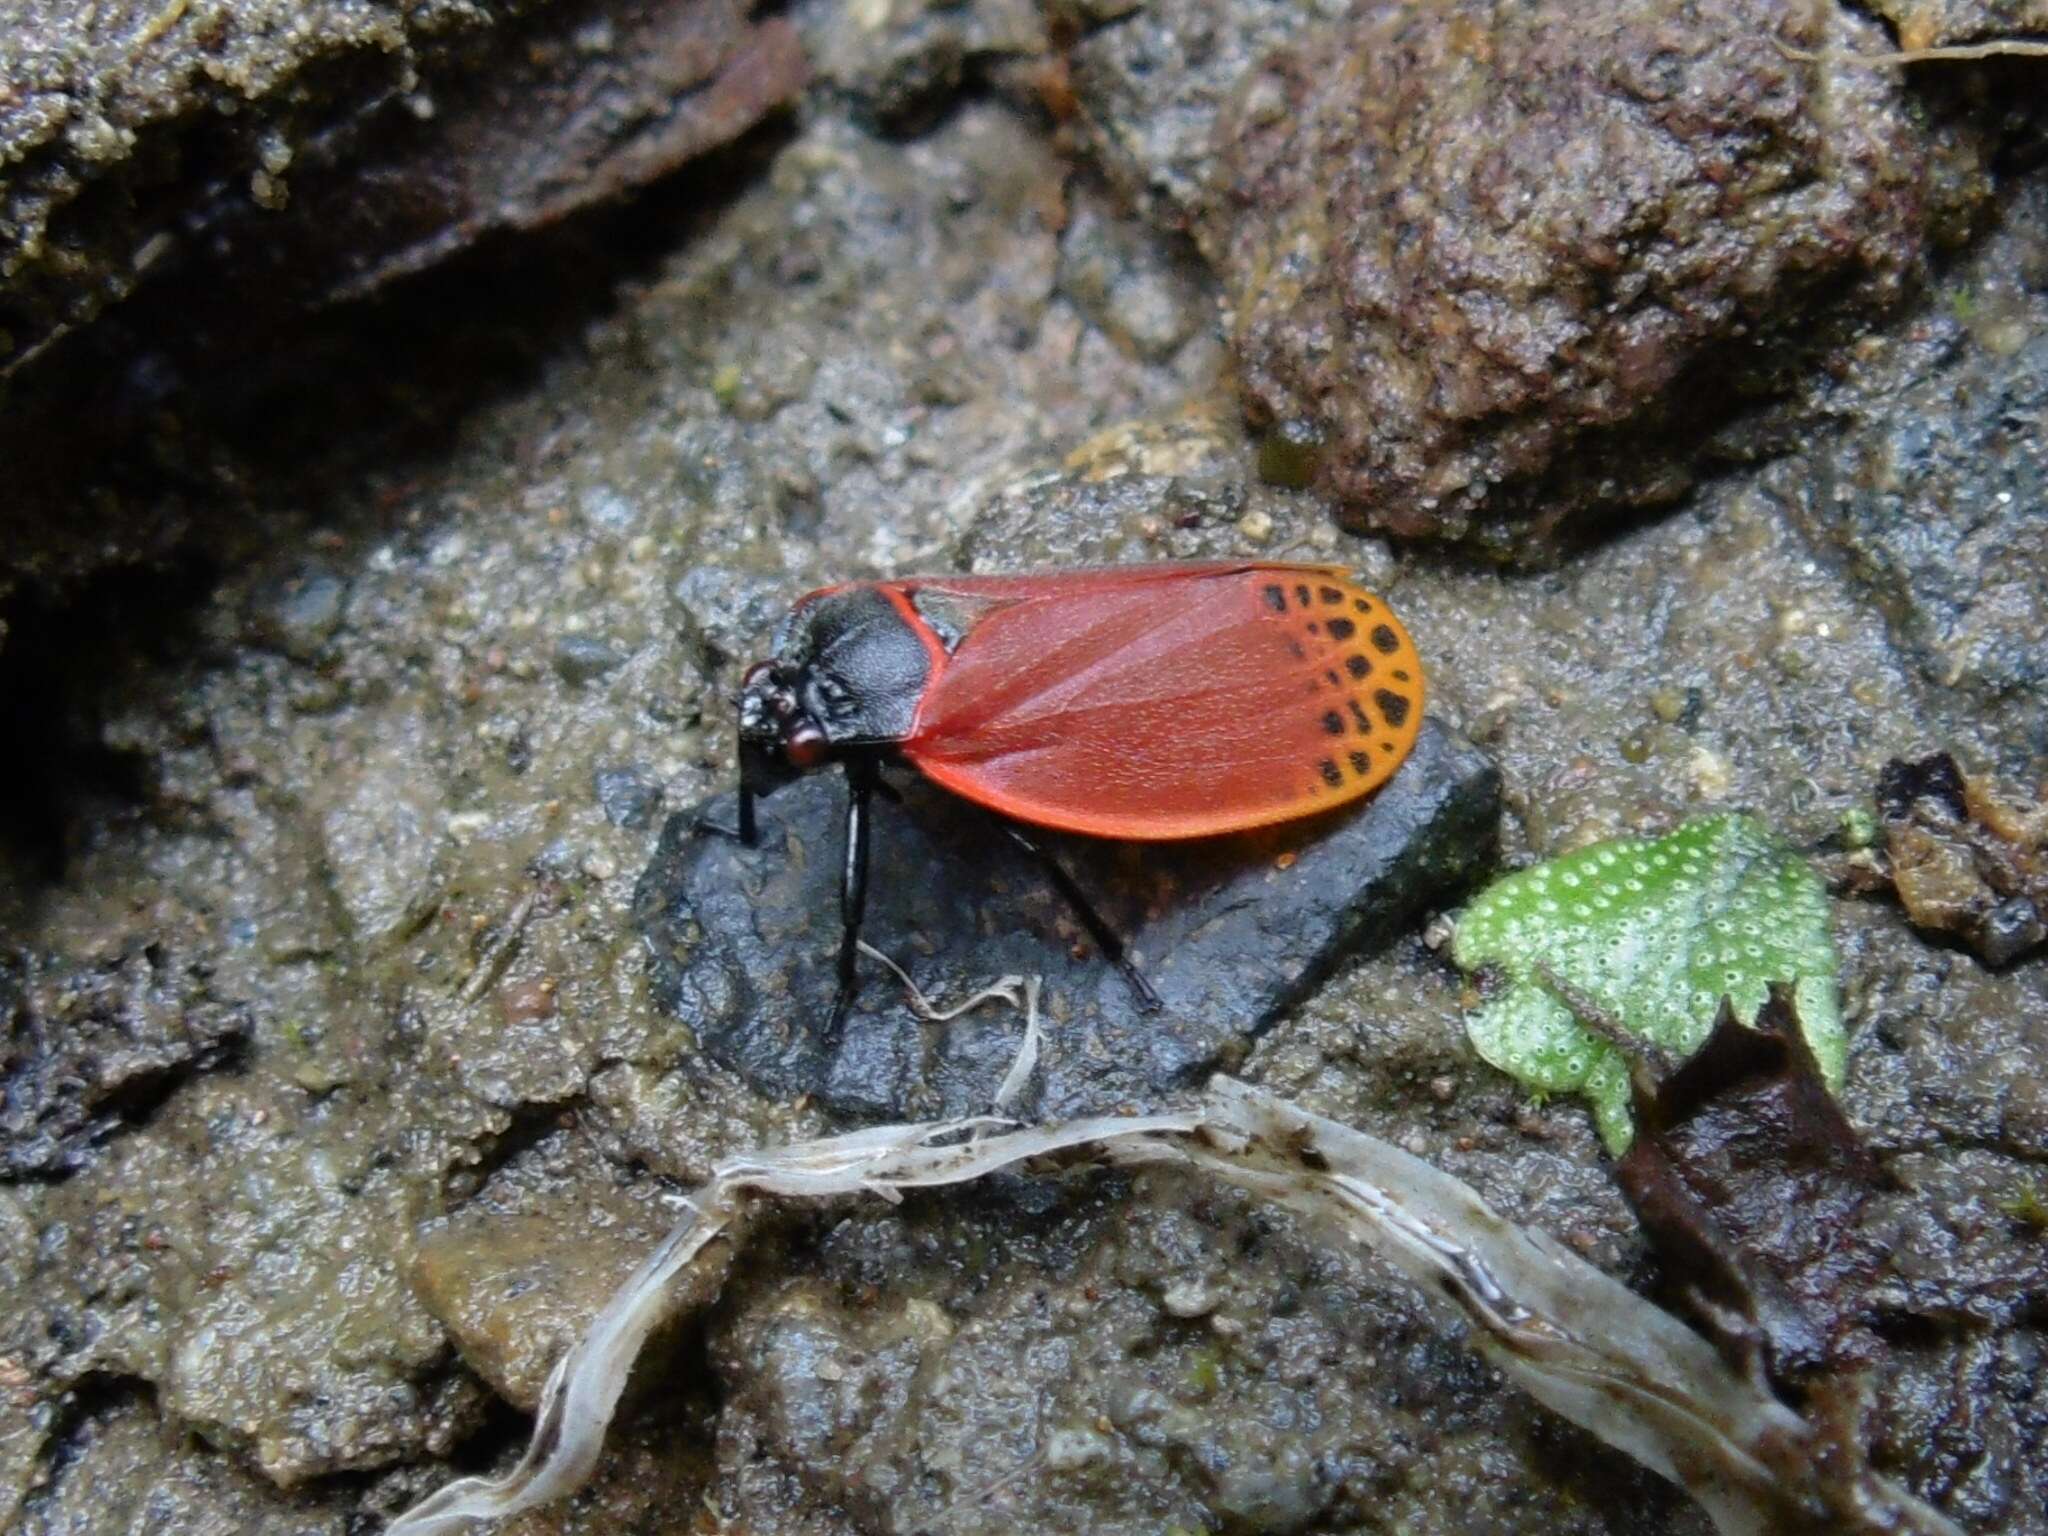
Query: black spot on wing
[[1393, 705], [1332, 774], [1359, 667], [1301, 594], [1330, 594], [1342, 629], [1360, 718], [1333, 722], [1276, 598], [1361, 763], [1384, 640]]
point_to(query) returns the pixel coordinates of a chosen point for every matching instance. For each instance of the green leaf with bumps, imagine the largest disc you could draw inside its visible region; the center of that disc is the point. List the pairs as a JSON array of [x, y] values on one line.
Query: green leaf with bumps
[[1652, 933]]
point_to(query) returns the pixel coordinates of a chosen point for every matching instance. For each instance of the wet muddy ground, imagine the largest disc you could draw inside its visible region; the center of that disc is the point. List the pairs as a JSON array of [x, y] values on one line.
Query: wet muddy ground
[[341, 1084]]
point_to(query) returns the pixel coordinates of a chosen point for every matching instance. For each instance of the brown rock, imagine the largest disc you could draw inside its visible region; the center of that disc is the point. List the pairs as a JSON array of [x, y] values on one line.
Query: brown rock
[[517, 1273], [1943, 23], [1514, 264]]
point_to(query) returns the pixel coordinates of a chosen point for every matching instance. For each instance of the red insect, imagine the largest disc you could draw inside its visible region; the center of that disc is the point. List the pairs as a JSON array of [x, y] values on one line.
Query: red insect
[[1144, 702]]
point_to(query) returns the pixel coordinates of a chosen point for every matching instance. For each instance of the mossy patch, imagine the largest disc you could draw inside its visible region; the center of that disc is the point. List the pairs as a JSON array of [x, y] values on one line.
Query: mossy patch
[[1652, 933]]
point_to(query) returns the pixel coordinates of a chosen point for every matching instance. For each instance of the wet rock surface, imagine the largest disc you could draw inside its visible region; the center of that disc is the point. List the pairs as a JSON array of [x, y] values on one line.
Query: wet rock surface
[[1230, 932], [1158, 1357], [1942, 508], [322, 758], [189, 195]]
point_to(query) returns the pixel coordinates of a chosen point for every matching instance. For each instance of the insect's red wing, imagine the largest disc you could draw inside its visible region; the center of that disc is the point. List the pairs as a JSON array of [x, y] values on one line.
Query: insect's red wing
[[1168, 701]]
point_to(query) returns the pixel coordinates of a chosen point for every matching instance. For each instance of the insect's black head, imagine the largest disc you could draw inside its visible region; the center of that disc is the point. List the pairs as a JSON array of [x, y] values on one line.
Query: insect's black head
[[779, 738]]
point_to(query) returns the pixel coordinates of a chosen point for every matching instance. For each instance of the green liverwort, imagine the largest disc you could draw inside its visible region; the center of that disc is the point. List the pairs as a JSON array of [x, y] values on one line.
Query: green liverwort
[[1652, 933]]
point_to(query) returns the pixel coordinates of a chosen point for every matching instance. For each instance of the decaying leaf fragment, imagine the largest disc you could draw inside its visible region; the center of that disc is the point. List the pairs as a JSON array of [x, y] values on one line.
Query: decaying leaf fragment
[[1646, 937], [1755, 1190], [1575, 1338], [1965, 859]]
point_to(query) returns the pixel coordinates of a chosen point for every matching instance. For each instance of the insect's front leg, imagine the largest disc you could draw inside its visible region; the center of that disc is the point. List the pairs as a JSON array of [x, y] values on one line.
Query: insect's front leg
[[747, 833], [853, 888]]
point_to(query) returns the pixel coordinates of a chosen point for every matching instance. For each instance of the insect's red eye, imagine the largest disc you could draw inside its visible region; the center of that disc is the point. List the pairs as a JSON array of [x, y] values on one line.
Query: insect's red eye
[[805, 747]]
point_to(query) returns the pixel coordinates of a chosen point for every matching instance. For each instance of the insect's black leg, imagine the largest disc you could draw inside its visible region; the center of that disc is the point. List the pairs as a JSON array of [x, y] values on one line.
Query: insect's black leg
[[747, 832], [853, 888], [1105, 937]]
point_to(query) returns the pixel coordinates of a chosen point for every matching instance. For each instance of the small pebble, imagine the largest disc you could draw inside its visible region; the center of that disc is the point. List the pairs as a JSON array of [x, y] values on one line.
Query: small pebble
[[528, 1003], [464, 825], [1712, 776], [582, 658], [301, 613], [1256, 526], [1189, 1298]]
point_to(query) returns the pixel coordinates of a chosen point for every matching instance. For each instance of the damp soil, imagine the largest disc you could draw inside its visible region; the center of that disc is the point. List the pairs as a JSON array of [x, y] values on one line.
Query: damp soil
[[339, 1079]]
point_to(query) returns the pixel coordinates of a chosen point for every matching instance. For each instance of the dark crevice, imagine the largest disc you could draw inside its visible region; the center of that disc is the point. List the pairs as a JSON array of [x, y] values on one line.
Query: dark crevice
[[496, 1441], [90, 1052], [529, 1125], [55, 667], [81, 1412]]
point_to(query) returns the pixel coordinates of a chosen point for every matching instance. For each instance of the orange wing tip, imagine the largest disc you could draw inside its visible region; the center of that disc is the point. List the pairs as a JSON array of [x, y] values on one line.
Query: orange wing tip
[[1367, 679]]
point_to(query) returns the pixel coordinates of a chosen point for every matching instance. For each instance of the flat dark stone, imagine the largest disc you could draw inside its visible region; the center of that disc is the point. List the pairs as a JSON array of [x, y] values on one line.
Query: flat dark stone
[[1231, 931], [628, 796]]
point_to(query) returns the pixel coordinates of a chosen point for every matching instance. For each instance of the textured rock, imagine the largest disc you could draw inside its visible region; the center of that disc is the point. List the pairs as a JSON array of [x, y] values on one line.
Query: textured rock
[[1152, 87], [1231, 933], [89, 1047], [900, 63], [629, 797], [1938, 23], [1514, 265], [366, 140]]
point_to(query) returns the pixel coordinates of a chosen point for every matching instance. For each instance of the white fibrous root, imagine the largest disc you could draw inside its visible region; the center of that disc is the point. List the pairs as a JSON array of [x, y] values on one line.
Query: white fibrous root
[[1950, 53], [1576, 1339]]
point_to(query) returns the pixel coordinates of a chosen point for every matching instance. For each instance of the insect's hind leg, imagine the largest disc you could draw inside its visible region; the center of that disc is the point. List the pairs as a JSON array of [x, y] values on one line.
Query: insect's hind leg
[[1106, 938]]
